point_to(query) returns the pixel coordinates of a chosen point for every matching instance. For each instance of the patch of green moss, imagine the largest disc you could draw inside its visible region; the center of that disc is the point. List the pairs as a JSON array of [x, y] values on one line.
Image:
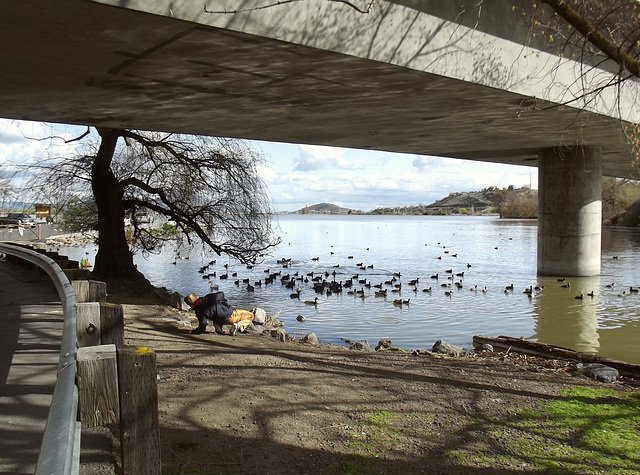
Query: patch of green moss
[[589, 430]]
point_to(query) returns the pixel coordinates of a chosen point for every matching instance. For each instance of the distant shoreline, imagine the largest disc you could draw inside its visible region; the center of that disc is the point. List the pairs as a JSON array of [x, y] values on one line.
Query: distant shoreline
[[371, 213]]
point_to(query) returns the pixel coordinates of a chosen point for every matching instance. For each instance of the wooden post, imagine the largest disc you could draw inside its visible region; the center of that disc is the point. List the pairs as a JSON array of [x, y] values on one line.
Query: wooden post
[[99, 323], [111, 324], [98, 386], [139, 429], [88, 325], [81, 289], [89, 290]]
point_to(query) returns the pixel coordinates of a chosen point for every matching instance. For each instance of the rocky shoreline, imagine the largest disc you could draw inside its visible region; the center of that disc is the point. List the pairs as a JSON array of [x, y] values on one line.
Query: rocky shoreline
[[269, 326]]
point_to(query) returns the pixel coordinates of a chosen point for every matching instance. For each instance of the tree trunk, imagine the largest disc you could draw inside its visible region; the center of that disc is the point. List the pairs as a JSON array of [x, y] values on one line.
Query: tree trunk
[[114, 258]]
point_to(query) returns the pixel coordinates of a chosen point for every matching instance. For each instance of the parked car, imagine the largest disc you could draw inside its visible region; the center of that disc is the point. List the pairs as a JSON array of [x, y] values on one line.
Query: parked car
[[17, 219]]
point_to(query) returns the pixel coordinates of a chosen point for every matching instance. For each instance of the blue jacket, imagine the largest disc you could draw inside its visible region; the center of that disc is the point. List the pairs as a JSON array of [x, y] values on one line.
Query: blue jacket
[[213, 307]]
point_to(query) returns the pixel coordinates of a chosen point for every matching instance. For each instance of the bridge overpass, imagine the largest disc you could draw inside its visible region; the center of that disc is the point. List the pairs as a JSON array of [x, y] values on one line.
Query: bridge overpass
[[419, 77]]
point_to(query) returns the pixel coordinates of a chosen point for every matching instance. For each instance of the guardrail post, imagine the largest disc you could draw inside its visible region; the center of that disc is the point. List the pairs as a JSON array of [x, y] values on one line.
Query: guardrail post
[[111, 324], [88, 324], [98, 386], [139, 428], [89, 290], [99, 323]]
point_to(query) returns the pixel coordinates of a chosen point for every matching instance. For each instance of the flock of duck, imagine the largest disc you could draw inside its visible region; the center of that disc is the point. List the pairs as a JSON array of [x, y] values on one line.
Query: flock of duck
[[335, 280]]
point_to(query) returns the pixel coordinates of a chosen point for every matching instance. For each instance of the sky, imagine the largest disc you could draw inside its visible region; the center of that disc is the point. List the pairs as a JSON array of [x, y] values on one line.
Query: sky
[[300, 175]]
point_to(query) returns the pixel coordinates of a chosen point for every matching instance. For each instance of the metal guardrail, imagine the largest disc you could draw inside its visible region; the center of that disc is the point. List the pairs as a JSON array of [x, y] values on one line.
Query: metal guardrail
[[60, 450]]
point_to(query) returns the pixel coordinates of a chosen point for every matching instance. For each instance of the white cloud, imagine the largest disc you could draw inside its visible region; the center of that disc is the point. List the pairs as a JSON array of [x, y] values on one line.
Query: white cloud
[[315, 157], [24, 142], [304, 174], [426, 164], [380, 187], [266, 173]]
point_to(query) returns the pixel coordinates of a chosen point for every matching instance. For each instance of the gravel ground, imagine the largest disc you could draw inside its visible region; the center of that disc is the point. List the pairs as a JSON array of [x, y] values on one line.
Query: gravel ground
[[250, 404]]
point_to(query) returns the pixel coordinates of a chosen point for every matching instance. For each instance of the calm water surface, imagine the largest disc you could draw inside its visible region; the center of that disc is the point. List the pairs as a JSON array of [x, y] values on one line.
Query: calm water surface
[[492, 253]]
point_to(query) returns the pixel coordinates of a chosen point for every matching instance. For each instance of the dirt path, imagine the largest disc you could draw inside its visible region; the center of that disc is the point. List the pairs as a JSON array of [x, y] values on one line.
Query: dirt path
[[253, 405]]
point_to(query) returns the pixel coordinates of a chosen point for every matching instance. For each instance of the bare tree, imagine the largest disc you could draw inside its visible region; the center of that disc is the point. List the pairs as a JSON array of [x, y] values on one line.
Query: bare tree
[[209, 187], [13, 196], [5, 187], [618, 196]]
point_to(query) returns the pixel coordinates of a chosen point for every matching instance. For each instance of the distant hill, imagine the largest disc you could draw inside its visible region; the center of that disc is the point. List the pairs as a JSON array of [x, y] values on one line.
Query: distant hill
[[324, 208], [490, 200], [508, 202], [478, 200]]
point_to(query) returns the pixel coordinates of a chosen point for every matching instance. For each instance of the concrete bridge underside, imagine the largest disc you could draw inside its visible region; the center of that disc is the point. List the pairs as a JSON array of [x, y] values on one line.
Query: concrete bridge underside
[[170, 66]]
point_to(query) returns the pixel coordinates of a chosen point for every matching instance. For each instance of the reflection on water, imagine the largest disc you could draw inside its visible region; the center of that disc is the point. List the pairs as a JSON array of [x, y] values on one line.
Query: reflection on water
[[475, 252], [565, 323]]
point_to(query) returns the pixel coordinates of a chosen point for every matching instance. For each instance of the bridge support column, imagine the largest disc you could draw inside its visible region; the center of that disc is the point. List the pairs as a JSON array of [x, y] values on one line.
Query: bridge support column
[[569, 211]]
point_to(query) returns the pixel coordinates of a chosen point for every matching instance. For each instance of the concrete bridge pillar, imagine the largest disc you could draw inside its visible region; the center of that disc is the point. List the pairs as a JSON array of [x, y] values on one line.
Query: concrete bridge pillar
[[569, 211]]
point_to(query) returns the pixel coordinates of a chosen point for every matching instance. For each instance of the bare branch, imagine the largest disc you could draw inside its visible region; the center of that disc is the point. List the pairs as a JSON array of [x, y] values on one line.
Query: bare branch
[[284, 2], [80, 137], [594, 36]]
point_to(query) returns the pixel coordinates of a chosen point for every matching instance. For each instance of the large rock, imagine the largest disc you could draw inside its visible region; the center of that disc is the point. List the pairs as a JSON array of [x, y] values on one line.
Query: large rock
[[311, 338], [259, 316], [485, 347], [361, 345], [254, 329], [445, 348], [280, 334], [598, 372]]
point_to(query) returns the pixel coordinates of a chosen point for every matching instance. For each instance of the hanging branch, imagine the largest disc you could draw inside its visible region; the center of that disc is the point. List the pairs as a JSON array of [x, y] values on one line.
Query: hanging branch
[[594, 36], [284, 2], [80, 137], [51, 137]]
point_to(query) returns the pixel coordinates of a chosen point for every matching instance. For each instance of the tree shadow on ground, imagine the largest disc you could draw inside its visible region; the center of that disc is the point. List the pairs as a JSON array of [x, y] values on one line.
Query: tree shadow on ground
[[250, 404]]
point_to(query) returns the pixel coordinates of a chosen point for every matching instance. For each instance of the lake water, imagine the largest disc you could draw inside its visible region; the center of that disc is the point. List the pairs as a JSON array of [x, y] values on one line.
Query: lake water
[[491, 252]]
